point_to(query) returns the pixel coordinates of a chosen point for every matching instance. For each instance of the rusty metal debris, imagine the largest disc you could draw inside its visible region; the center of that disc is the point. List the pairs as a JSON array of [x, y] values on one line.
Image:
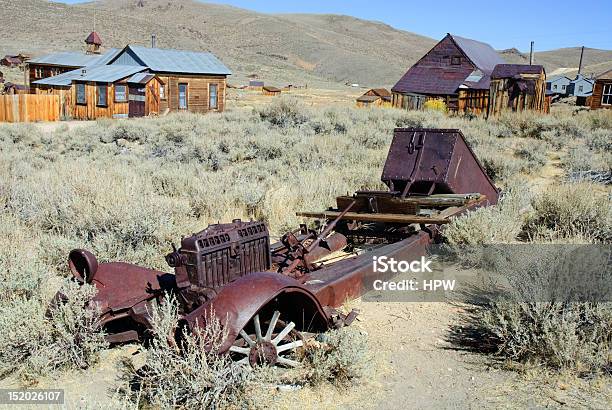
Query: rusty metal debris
[[269, 296]]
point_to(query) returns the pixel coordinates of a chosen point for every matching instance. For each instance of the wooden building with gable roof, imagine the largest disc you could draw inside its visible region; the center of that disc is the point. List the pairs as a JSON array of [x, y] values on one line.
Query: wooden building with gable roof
[[457, 70]]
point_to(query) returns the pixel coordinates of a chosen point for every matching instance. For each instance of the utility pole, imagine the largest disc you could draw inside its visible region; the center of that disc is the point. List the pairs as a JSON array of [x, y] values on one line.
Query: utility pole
[[580, 64], [531, 54]]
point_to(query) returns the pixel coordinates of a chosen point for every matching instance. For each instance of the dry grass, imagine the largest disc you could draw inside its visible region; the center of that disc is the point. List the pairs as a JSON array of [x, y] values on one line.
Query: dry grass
[[128, 189]]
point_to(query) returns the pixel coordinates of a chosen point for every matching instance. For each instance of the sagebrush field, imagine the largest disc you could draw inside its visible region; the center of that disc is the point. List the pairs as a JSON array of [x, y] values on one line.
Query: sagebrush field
[[127, 190]]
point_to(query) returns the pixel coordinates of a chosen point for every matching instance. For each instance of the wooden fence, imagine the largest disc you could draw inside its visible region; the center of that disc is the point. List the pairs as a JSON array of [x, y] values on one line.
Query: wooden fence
[[29, 108]]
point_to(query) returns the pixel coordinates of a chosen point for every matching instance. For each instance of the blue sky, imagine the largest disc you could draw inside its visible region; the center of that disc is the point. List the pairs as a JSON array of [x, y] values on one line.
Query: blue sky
[[503, 24]]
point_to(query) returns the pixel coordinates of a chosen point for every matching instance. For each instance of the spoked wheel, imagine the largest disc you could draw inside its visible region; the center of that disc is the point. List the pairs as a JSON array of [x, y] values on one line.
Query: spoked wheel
[[271, 348]]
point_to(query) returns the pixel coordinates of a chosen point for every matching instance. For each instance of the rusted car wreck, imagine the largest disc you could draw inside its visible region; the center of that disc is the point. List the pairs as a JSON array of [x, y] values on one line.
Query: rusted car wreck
[[267, 295]]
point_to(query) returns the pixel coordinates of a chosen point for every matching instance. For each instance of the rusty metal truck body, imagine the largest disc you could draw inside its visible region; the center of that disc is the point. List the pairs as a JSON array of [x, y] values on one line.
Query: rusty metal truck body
[[233, 271]]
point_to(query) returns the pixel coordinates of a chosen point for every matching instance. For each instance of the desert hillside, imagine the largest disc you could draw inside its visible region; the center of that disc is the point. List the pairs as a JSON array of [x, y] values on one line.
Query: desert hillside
[[298, 48]]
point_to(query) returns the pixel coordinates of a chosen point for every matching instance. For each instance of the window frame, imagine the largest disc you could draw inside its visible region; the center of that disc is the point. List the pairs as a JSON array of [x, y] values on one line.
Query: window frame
[[186, 107], [554, 86], [162, 92], [455, 60], [216, 87], [99, 86], [76, 98], [125, 93], [606, 95]]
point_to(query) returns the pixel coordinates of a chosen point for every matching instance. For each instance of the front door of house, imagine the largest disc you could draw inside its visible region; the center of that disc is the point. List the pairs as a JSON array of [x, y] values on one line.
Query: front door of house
[[137, 100]]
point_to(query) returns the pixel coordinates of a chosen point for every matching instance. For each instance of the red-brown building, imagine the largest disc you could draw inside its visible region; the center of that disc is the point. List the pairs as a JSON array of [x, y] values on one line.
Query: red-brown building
[[457, 70], [602, 91]]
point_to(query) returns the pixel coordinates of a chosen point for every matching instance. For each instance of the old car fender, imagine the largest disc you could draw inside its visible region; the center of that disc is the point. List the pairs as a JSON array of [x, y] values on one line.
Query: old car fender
[[237, 302]]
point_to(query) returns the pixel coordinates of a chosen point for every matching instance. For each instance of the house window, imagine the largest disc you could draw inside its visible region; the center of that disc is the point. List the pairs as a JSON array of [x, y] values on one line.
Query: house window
[[162, 91], [563, 87], [456, 60], [120, 93], [555, 87], [80, 94], [580, 88], [38, 72], [102, 94], [606, 98], [212, 96], [182, 96]]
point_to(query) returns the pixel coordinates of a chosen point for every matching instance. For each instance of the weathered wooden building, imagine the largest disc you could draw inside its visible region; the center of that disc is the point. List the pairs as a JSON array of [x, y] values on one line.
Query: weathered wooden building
[[190, 81], [115, 91], [11, 61], [375, 97], [457, 70], [54, 64], [517, 87], [139, 81], [270, 91], [558, 84], [602, 91]]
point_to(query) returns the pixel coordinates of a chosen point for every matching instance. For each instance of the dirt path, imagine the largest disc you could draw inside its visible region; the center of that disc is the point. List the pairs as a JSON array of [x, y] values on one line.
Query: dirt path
[[412, 367]]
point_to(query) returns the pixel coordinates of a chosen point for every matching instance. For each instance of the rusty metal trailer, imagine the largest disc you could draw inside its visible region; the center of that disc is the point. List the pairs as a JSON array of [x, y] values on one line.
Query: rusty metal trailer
[[266, 296]]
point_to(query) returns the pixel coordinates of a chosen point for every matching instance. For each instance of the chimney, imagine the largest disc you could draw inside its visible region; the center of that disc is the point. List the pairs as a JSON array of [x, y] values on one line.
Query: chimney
[[153, 41], [580, 64]]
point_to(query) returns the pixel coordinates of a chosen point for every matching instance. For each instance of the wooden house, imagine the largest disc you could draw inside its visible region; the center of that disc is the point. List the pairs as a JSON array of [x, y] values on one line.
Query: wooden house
[[271, 91], [602, 91], [115, 91], [581, 88], [189, 81], [14, 89], [256, 85], [375, 97], [457, 70], [11, 61], [153, 81], [517, 87], [558, 84]]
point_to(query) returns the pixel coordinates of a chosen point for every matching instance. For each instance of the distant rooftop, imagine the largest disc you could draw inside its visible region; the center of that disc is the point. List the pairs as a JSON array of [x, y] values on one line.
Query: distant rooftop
[[75, 58]]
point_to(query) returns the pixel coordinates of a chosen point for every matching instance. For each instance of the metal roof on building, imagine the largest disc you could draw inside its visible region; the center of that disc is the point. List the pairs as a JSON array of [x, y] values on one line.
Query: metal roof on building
[[368, 98], [481, 54], [99, 74], [75, 58], [511, 70], [434, 77], [432, 80], [107, 73], [179, 61], [141, 78], [604, 76], [556, 77]]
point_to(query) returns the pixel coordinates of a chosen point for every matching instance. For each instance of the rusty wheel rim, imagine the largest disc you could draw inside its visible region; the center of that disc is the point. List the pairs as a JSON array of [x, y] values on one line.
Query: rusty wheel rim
[[270, 348]]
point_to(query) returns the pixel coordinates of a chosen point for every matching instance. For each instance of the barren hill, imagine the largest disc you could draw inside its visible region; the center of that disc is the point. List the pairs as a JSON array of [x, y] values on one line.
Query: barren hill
[[298, 48]]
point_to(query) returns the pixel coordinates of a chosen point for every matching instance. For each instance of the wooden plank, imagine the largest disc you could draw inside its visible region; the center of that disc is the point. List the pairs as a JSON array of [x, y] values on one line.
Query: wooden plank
[[368, 217]]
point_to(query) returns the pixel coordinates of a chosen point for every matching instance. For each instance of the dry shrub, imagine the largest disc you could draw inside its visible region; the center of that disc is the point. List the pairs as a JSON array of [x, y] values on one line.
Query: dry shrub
[[192, 377], [571, 210], [540, 320], [495, 224], [37, 342], [338, 356]]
